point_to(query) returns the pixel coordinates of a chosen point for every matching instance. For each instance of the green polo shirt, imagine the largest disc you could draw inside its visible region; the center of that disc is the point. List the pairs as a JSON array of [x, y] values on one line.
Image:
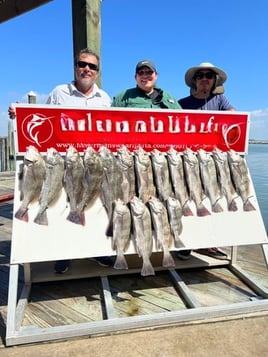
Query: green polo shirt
[[137, 98]]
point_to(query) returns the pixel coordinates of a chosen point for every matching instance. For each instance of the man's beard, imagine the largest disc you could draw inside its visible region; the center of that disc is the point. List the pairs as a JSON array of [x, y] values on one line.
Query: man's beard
[[86, 83]]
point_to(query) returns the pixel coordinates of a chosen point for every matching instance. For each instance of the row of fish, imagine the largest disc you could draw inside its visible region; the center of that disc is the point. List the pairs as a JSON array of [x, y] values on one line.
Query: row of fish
[[188, 176], [216, 175], [145, 195]]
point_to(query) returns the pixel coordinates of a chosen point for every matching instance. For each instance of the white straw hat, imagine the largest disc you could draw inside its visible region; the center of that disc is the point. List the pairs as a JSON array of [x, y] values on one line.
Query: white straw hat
[[189, 75]]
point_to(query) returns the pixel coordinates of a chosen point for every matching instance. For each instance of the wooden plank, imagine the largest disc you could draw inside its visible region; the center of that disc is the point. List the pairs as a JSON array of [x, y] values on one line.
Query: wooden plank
[[134, 295], [210, 287], [66, 302], [86, 18]]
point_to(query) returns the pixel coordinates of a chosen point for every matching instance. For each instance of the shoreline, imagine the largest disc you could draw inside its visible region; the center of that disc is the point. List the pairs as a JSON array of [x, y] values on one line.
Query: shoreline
[[252, 141]]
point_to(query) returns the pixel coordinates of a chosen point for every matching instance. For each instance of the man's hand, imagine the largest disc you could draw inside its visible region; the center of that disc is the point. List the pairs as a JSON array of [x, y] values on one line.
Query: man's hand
[[11, 112]]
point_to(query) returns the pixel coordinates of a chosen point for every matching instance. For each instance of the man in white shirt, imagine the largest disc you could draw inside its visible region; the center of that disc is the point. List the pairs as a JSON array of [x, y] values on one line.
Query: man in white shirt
[[82, 92]]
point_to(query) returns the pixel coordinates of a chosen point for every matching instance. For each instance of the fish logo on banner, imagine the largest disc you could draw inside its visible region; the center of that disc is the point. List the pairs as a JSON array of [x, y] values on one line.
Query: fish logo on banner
[[37, 128], [231, 134]]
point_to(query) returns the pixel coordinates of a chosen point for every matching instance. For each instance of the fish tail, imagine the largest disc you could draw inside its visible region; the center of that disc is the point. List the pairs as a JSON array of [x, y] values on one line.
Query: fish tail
[[120, 262], [202, 211], [41, 218], [22, 214], [76, 217], [232, 206], [147, 268], [248, 206], [186, 210], [168, 261], [216, 207]]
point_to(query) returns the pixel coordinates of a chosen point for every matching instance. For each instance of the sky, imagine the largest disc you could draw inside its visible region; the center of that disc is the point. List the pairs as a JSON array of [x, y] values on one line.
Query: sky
[[37, 50]]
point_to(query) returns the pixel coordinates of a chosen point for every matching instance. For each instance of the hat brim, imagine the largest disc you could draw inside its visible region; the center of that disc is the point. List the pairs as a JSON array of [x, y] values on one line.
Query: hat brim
[[146, 65], [189, 75]]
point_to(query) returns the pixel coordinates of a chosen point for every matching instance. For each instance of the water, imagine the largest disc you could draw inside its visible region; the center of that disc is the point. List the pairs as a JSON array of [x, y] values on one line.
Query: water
[[257, 160]]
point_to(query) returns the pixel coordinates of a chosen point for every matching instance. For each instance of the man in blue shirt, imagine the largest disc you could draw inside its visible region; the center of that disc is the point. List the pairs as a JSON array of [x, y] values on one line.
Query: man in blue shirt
[[206, 93], [206, 88]]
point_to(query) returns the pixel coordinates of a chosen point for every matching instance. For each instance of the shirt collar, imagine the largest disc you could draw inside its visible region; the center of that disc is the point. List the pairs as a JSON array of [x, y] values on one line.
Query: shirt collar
[[95, 93]]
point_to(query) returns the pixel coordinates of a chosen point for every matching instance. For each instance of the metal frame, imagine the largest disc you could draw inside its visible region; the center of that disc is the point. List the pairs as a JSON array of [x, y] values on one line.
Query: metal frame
[[16, 334]]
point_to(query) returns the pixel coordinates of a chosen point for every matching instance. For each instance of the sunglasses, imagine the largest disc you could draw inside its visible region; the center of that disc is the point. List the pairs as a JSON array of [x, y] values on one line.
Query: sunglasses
[[207, 75], [82, 64], [142, 72]]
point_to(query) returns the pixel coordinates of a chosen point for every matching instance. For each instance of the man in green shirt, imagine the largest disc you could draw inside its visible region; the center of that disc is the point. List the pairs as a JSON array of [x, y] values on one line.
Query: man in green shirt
[[145, 94]]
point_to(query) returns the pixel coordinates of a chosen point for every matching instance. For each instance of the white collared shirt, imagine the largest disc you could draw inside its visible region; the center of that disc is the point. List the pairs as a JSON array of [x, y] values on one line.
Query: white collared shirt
[[69, 95]]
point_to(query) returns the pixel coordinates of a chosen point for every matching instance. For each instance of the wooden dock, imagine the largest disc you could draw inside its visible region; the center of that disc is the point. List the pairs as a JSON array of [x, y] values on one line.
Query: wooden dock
[[79, 295]]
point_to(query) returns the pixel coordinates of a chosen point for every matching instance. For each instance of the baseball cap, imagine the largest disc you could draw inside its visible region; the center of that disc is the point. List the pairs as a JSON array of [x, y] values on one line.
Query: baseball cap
[[145, 63]]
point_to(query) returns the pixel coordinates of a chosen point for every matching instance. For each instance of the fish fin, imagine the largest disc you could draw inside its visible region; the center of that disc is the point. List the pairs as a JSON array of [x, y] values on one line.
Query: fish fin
[[186, 210], [202, 211], [216, 207], [41, 218], [147, 268], [120, 262], [232, 206], [109, 230], [76, 217], [168, 261], [177, 241], [22, 214], [248, 206], [83, 218]]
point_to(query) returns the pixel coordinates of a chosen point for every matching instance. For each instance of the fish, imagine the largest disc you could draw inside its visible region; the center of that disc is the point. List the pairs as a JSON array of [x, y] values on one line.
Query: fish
[[162, 229], [209, 179], [91, 184], [240, 176], [72, 183], [111, 186], [121, 232], [161, 175], [126, 163], [192, 174], [31, 179], [177, 176], [52, 185], [144, 174], [143, 239], [174, 211], [224, 178]]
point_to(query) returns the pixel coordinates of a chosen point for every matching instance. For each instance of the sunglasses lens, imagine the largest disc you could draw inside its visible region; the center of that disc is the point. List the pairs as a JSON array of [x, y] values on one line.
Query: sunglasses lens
[[82, 64], [209, 75], [142, 72], [201, 75]]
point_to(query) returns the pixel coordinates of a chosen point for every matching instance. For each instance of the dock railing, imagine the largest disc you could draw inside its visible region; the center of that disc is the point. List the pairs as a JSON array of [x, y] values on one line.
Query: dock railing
[[7, 150]]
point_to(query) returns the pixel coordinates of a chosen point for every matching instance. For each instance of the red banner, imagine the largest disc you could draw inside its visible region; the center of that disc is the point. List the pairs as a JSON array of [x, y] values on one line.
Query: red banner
[[56, 126]]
